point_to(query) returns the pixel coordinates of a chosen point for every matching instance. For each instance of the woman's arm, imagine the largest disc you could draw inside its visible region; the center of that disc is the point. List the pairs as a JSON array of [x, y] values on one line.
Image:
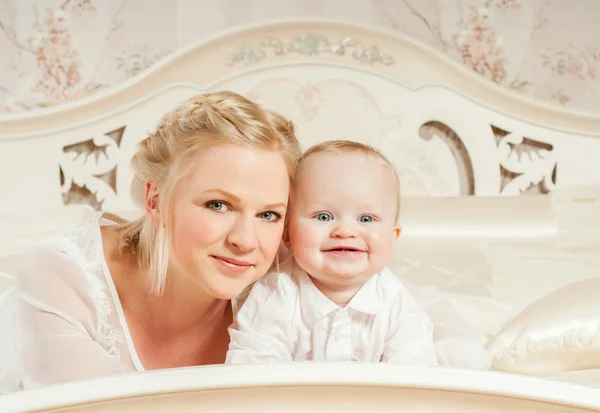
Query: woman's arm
[[56, 316]]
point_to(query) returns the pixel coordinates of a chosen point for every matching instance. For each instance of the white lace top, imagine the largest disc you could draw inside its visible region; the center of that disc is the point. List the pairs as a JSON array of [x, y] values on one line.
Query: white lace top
[[71, 325]]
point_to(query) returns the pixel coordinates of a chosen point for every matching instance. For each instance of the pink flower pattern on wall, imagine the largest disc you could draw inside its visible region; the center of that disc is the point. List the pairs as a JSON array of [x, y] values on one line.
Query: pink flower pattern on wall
[[53, 47], [51, 55], [582, 64], [479, 45]]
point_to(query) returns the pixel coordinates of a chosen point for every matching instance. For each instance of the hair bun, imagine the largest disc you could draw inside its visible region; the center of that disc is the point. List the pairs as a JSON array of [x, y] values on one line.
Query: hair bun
[[281, 124]]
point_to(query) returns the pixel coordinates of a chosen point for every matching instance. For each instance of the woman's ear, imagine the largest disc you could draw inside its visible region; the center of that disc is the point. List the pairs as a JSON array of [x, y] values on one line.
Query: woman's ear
[[151, 201], [286, 236]]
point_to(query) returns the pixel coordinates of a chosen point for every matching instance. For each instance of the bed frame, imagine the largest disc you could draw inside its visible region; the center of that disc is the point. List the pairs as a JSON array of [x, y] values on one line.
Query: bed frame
[[450, 132], [308, 387]]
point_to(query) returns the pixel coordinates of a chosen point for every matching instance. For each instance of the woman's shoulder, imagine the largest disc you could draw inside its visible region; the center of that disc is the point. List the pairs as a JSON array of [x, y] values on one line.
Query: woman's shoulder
[[73, 249], [75, 238]]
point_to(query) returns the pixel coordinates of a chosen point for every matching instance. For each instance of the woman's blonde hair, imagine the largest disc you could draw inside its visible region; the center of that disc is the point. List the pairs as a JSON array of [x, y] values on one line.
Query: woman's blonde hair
[[183, 133]]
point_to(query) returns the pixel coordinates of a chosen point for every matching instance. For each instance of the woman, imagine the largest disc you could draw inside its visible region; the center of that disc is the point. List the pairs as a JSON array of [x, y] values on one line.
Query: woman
[[109, 296]]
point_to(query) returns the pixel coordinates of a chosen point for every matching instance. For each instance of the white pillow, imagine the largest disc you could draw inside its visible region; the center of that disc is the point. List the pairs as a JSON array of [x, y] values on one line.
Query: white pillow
[[558, 333]]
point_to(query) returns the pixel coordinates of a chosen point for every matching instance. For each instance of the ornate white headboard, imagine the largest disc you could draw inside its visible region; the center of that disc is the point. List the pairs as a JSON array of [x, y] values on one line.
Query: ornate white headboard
[[449, 131]]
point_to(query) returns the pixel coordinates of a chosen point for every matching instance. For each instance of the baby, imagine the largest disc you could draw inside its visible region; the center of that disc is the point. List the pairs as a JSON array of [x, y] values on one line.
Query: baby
[[334, 299]]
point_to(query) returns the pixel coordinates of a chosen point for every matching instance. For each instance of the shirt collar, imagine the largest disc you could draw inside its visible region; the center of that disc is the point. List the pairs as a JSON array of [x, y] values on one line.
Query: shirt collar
[[367, 299], [315, 305]]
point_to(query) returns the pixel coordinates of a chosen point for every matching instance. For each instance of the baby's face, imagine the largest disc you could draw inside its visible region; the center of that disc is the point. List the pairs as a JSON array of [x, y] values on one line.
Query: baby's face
[[342, 225]]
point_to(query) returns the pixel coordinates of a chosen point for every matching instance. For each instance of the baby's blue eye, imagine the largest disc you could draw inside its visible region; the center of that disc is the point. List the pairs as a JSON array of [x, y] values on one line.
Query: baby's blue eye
[[323, 216], [365, 218]]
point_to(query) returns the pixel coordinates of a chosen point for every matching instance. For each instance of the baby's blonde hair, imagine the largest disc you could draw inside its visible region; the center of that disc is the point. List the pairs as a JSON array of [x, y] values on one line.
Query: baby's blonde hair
[[162, 158], [342, 147]]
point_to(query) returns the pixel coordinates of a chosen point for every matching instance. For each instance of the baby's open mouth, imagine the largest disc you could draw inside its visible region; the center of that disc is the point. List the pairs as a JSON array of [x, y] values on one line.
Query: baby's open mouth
[[344, 249]]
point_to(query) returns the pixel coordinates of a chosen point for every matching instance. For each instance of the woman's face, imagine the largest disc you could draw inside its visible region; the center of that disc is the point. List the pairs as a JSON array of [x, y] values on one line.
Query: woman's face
[[228, 214]]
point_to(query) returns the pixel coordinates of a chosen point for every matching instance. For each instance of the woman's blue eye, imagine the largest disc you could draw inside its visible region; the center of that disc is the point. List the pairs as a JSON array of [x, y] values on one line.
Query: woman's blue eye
[[217, 206], [269, 216], [365, 218], [323, 216]]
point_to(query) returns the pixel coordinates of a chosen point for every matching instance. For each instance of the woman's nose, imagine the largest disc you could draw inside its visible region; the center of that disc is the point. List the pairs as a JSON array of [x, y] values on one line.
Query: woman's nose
[[243, 234]]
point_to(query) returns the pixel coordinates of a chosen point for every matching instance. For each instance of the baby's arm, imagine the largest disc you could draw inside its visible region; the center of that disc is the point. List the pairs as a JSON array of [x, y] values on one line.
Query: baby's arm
[[412, 341], [261, 331]]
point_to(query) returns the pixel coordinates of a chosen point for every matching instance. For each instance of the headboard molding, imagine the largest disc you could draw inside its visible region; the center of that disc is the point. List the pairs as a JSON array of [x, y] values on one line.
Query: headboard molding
[[416, 64], [449, 131]]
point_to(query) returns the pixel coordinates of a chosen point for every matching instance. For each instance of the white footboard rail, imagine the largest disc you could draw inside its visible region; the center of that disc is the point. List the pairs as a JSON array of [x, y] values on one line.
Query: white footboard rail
[[308, 387]]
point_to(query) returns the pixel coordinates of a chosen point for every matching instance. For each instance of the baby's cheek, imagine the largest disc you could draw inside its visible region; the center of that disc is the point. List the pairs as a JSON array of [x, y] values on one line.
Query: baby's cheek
[[381, 243], [301, 247], [305, 249], [301, 235]]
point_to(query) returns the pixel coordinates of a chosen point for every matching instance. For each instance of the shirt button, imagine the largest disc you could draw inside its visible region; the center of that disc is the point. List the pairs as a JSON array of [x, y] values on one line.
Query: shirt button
[[336, 337]]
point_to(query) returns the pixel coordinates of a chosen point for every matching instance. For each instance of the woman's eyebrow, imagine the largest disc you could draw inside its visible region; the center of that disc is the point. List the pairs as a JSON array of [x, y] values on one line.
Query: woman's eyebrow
[[226, 194]]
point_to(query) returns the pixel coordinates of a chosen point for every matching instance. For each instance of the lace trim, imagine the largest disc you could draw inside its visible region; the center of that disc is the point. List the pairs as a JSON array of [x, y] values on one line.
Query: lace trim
[[83, 237]]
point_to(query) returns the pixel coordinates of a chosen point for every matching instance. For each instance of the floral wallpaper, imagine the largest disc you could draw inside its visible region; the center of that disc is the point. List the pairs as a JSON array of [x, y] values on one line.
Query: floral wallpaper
[[54, 51]]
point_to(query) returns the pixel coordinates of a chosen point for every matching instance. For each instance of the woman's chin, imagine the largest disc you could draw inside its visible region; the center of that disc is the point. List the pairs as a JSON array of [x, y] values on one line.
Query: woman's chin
[[227, 290]]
